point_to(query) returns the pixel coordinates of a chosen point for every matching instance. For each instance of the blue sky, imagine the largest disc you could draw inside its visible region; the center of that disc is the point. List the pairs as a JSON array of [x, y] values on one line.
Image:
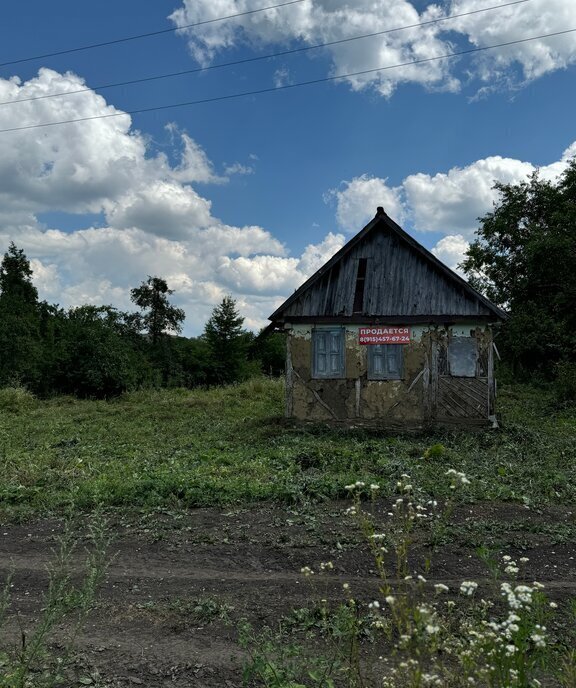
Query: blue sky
[[249, 196]]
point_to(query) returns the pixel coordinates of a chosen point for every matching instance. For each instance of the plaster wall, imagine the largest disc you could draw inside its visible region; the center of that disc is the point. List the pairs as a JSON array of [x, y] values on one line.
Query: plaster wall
[[355, 398]]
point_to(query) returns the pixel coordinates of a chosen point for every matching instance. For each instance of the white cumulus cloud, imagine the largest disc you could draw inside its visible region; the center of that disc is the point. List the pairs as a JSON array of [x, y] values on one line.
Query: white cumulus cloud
[[448, 202], [155, 222], [357, 200], [415, 48], [451, 250]]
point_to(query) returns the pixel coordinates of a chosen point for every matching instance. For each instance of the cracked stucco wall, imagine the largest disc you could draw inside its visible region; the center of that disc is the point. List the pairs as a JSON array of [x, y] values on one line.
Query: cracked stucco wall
[[354, 397]]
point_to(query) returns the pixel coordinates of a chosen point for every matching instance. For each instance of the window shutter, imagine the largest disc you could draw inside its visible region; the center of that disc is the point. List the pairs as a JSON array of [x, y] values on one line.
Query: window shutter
[[328, 353], [320, 363], [385, 361]]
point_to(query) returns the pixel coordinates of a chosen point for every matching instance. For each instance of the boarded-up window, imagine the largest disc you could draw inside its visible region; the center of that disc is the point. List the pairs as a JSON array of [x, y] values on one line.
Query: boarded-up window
[[385, 361], [462, 356], [328, 353], [358, 305]]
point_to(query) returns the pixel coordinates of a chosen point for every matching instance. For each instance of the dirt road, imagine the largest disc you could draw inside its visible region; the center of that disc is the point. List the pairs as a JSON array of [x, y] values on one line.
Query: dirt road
[[179, 582]]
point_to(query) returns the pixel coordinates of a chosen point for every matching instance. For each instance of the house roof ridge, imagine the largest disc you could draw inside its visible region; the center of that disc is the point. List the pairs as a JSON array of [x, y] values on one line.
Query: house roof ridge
[[382, 217]]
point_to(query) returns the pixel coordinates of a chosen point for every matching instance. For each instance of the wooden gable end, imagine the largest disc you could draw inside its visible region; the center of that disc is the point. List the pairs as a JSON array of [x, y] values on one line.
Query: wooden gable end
[[401, 279]]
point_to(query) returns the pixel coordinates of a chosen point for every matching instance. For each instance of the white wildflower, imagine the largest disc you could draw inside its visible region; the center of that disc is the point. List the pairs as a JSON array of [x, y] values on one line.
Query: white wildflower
[[468, 588]]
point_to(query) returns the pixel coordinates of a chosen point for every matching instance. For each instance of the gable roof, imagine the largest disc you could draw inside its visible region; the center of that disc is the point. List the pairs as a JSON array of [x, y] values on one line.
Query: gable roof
[[431, 288]]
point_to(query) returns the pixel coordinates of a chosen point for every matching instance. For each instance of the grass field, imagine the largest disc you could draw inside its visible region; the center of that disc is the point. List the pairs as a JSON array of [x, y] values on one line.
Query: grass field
[[223, 446], [216, 504]]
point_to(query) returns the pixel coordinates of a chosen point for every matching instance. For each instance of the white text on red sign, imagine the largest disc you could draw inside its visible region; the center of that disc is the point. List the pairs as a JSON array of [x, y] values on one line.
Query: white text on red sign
[[384, 335]]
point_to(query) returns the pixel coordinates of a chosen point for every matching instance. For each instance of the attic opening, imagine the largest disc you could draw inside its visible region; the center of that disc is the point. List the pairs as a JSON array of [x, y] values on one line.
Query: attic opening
[[358, 306]]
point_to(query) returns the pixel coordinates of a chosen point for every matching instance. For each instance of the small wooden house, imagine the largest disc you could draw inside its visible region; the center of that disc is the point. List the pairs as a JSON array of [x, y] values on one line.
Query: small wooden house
[[384, 333]]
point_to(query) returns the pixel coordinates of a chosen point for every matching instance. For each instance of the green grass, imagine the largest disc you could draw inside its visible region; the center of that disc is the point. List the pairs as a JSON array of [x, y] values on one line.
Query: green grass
[[231, 445]]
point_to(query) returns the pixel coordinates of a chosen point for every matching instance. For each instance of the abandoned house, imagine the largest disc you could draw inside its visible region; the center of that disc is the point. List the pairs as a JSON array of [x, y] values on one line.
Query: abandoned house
[[386, 334]]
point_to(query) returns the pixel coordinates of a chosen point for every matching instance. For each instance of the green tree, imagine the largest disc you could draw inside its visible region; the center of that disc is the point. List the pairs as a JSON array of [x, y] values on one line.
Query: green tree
[[523, 259], [158, 317], [227, 342], [95, 353], [16, 277], [269, 349], [20, 340]]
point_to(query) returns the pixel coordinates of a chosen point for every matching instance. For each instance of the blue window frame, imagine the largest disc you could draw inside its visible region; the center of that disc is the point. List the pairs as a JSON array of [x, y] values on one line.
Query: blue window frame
[[385, 361], [328, 346]]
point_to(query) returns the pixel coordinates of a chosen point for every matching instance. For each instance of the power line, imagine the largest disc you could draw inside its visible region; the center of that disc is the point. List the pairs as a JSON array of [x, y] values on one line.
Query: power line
[[260, 91], [258, 58], [136, 37]]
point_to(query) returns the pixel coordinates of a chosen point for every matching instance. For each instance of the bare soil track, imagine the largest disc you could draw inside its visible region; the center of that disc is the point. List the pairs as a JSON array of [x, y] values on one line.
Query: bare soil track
[[179, 581]]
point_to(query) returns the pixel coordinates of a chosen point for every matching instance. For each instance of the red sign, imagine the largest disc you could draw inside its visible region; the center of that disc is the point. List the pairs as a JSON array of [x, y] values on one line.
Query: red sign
[[384, 335]]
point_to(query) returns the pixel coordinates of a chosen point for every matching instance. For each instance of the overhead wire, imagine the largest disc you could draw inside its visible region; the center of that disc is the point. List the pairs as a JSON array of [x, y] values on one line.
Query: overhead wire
[[284, 87], [149, 34], [282, 53]]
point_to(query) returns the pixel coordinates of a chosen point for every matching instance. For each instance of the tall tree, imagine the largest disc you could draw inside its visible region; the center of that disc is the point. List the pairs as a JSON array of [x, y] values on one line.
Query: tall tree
[[523, 259], [159, 316], [16, 277], [20, 341], [227, 342]]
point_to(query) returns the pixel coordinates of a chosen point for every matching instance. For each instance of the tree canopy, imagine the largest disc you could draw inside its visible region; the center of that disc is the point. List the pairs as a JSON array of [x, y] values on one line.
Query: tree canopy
[[16, 277], [98, 351], [20, 345], [524, 259], [159, 315]]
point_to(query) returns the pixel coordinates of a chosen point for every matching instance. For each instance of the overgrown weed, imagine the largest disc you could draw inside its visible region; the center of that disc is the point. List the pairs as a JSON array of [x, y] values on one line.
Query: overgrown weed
[[29, 662], [16, 399], [413, 632]]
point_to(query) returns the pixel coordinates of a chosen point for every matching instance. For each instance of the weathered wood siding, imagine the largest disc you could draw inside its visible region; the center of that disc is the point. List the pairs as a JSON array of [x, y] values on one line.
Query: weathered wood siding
[[460, 398], [399, 282]]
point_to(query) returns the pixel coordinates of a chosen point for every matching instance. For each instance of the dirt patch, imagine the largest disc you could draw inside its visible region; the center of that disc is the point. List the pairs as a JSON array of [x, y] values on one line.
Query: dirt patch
[[180, 581]]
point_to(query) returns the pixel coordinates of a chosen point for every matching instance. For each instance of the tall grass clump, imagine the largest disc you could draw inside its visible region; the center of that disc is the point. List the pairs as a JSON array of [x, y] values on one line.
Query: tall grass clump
[[16, 399], [414, 632]]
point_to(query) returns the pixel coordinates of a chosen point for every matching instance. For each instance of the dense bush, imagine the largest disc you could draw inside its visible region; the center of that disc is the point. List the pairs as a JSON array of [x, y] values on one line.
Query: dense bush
[[16, 399]]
